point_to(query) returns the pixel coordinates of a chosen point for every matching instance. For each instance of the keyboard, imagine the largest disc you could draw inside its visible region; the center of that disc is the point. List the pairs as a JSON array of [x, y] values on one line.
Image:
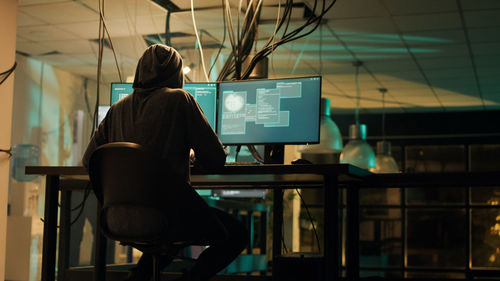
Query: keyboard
[[242, 163]]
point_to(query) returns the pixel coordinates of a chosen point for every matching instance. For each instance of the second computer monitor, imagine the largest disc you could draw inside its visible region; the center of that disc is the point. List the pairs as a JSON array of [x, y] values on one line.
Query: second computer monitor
[[206, 96], [283, 111], [204, 93]]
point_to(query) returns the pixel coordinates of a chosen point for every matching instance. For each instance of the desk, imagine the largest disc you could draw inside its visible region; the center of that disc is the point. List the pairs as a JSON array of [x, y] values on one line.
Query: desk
[[276, 177]]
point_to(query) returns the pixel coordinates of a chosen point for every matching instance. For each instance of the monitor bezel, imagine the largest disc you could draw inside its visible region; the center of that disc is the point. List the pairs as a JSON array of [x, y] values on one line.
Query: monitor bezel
[[266, 79]]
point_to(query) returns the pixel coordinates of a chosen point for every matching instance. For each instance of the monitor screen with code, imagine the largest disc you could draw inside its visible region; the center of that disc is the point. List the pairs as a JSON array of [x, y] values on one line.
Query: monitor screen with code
[[285, 111]]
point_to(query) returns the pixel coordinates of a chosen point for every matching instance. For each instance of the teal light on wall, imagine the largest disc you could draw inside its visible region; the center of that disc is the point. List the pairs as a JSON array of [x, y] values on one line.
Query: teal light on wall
[[357, 151]]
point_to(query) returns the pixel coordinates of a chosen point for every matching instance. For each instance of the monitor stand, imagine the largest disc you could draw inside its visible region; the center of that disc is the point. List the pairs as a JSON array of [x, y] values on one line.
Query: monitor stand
[[274, 154]]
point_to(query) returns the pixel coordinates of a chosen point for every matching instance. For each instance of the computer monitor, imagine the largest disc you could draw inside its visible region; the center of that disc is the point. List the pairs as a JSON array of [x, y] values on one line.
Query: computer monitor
[[101, 113], [206, 96], [284, 111], [204, 93], [119, 91], [239, 193]]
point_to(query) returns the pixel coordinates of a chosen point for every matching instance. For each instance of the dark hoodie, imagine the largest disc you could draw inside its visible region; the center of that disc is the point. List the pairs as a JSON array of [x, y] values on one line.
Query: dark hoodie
[[161, 116]]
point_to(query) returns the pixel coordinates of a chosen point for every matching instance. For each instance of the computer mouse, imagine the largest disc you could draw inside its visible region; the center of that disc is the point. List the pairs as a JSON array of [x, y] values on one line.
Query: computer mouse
[[300, 161]]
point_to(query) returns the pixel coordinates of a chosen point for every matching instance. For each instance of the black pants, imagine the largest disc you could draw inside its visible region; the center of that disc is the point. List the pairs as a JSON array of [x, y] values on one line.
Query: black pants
[[202, 225]]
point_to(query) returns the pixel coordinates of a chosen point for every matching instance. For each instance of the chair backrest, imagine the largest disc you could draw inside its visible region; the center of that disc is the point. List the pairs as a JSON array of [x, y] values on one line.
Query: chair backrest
[[129, 182]]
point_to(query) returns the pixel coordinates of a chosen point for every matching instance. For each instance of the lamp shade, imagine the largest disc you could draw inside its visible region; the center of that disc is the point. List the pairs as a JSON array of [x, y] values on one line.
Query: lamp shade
[[357, 151], [385, 161], [330, 144]]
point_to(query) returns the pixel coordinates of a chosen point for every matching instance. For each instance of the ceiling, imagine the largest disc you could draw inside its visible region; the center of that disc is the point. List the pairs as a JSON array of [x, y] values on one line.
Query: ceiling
[[431, 55]]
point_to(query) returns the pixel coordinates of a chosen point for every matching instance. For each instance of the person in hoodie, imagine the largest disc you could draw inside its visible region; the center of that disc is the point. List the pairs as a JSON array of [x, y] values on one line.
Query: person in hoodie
[[166, 119]]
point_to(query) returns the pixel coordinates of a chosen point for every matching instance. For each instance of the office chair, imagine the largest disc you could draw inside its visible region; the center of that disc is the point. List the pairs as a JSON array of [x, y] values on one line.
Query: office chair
[[128, 181]]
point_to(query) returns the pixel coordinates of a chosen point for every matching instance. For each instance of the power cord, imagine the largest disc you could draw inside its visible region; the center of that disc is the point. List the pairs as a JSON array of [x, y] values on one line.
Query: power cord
[[310, 218], [80, 206], [8, 151], [7, 73]]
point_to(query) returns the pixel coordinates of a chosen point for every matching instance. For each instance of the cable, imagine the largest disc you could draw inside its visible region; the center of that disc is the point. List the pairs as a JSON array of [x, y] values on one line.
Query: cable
[[255, 153], [293, 35], [223, 41], [81, 206], [238, 148], [99, 65], [310, 218], [274, 36], [86, 97], [112, 48], [357, 64], [8, 151], [167, 29], [199, 42], [383, 91], [7, 73]]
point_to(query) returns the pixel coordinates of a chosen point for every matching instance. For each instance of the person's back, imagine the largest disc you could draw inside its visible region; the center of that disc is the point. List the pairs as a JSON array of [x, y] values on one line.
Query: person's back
[[167, 120], [161, 116]]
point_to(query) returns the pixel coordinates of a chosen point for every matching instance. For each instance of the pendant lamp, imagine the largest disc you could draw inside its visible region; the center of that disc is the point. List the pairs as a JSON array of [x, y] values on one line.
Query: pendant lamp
[[330, 144], [385, 161], [357, 151]]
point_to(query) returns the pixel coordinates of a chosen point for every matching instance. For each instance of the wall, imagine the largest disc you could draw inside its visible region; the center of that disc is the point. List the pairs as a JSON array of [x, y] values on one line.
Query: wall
[[46, 101], [8, 22]]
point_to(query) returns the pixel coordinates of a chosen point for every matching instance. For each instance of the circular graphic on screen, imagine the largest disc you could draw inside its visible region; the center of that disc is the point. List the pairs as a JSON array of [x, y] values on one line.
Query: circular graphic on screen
[[234, 103]]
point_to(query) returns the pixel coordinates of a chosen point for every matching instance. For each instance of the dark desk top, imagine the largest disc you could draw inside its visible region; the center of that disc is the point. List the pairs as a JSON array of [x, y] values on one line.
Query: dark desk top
[[243, 176], [277, 169]]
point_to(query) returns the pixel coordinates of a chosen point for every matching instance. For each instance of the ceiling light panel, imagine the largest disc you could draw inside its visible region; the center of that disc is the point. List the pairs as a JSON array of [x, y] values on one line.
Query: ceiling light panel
[[185, 5], [468, 92], [33, 48], [486, 49], [59, 60], [70, 46], [28, 20], [391, 65], [487, 61], [390, 76], [480, 4], [271, 13], [446, 62], [210, 21], [443, 51], [458, 73], [62, 12], [351, 9], [484, 18], [84, 30], [405, 7], [485, 35], [44, 33], [434, 37], [428, 22], [119, 9], [38, 2], [362, 26]]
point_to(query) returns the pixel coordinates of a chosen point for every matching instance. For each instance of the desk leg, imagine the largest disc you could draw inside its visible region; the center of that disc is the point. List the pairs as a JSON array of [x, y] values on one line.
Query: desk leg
[[100, 249], [64, 234], [277, 224], [352, 235], [50, 228], [331, 214]]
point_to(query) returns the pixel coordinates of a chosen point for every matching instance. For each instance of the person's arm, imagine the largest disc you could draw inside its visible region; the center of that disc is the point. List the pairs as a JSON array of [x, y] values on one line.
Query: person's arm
[[99, 138], [207, 147]]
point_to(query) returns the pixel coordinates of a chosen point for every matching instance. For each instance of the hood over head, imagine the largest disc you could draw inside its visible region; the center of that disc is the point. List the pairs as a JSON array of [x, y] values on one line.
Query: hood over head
[[160, 66]]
